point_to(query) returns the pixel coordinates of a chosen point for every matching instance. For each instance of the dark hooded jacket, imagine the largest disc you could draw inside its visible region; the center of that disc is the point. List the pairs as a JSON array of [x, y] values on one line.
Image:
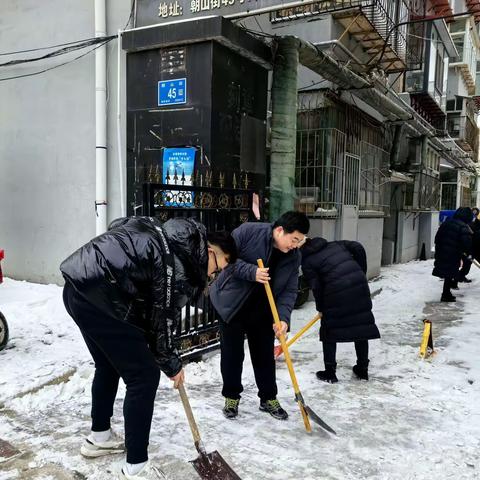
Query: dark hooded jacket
[[122, 273], [336, 273], [453, 239], [236, 282]]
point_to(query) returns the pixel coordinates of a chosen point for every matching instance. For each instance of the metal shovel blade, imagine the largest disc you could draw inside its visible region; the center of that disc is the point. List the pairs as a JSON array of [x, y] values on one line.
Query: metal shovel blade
[[212, 466], [312, 415]]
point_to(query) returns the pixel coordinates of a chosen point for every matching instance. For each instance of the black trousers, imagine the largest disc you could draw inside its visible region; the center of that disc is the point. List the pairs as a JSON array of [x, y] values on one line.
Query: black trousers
[[465, 270], [448, 283], [361, 349], [255, 321], [118, 350]]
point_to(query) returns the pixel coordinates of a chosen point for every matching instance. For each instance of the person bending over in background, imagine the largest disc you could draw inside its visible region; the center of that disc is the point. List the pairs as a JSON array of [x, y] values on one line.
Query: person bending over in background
[[336, 272], [452, 242]]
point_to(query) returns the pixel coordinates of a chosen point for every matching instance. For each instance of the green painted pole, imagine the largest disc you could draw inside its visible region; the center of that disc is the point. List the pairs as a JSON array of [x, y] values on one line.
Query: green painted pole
[[284, 126]]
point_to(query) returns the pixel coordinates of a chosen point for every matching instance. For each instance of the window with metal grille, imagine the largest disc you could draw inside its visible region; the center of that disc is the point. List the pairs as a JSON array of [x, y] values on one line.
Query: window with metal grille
[[448, 195], [319, 171], [374, 179]]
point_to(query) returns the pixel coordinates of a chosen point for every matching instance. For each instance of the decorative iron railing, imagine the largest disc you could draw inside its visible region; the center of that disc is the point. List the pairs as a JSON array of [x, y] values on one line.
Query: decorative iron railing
[[218, 209]]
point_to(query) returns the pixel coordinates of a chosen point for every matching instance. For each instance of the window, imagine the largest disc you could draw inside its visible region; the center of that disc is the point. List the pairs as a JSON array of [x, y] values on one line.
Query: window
[[439, 68]]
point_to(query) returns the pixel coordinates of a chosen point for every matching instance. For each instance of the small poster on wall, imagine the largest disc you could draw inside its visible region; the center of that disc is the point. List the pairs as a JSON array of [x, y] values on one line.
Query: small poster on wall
[[178, 168]]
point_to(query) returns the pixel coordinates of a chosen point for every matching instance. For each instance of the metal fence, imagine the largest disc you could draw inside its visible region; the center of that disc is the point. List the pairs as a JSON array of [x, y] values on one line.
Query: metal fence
[[217, 209]]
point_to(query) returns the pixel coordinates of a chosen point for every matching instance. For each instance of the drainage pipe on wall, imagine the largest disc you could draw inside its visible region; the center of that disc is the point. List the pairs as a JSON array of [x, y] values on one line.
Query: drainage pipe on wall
[[119, 125], [100, 121]]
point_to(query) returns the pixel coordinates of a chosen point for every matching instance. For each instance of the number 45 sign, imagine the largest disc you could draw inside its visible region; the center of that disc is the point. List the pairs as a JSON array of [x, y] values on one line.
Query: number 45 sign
[[172, 92]]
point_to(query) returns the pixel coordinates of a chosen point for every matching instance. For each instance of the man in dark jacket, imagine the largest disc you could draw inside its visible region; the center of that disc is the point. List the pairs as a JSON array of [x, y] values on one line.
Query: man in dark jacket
[[125, 290], [336, 272], [452, 241], [238, 295]]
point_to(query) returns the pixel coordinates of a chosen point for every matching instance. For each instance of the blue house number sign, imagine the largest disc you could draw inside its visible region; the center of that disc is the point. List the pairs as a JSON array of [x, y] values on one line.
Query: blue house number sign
[[172, 92]]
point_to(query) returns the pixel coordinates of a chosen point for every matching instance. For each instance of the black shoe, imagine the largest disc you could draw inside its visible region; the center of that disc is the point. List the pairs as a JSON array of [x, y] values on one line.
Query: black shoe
[[361, 373], [448, 297], [464, 280], [274, 409], [230, 410], [454, 285], [327, 376]]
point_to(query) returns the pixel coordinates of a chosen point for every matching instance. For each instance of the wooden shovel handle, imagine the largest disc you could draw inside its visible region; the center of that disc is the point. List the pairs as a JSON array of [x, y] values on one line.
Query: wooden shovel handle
[[312, 322], [293, 377], [190, 417]]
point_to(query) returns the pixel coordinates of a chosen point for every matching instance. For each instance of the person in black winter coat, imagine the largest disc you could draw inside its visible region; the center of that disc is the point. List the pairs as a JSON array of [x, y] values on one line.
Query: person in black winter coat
[[125, 290], [336, 272], [475, 226], [452, 242]]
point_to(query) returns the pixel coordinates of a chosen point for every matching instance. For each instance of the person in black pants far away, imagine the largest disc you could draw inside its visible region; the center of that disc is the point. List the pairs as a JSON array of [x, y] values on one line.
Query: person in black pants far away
[[238, 295], [125, 290], [466, 261], [453, 242], [336, 272]]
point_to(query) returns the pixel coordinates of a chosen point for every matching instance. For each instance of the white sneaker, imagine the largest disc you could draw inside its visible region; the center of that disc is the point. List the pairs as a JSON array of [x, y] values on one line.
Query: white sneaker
[[148, 472], [92, 449]]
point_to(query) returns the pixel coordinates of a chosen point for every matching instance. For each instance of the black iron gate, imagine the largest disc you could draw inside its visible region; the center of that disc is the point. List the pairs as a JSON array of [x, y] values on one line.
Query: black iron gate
[[218, 209]]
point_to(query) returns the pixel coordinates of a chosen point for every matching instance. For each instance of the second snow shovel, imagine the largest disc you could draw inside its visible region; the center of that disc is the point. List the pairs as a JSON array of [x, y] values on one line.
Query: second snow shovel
[[209, 466], [306, 411], [277, 351]]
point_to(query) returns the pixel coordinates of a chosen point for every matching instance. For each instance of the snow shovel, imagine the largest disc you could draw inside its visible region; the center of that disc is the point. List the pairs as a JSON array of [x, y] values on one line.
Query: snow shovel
[[277, 351], [306, 411], [209, 466]]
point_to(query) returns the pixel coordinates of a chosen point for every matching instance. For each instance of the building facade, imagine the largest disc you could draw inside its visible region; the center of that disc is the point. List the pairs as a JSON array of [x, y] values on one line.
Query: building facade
[[386, 119]]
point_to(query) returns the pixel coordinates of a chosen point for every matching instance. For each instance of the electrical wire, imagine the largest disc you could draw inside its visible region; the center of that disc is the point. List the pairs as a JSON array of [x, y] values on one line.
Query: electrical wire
[[56, 66], [61, 51], [131, 14], [308, 87], [68, 47], [85, 40], [48, 48]]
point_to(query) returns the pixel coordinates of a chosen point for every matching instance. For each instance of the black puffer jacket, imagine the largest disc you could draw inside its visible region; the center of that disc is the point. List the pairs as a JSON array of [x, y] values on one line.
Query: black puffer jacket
[[336, 273], [453, 239], [122, 273]]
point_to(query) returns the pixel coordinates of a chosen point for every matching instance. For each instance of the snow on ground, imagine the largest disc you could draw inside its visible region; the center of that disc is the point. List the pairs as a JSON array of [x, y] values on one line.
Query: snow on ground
[[414, 419]]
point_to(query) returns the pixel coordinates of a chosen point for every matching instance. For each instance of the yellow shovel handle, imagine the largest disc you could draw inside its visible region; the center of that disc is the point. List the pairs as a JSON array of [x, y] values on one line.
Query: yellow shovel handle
[[312, 322], [293, 377]]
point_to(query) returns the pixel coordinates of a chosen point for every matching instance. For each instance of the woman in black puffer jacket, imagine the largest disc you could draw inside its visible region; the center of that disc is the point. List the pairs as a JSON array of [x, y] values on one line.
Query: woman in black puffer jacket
[[336, 272], [452, 242]]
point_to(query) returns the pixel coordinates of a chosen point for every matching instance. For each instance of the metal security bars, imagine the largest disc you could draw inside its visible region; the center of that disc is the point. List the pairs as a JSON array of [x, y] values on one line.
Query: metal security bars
[[319, 171], [328, 177], [374, 179], [448, 195], [351, 183]]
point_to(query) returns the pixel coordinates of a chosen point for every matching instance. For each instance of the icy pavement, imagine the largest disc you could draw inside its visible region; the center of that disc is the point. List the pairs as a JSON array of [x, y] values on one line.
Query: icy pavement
[[415, 419]]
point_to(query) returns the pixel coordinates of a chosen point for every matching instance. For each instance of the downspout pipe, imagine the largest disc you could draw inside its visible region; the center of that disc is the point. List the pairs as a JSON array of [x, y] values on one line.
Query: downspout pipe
[[100, 120]]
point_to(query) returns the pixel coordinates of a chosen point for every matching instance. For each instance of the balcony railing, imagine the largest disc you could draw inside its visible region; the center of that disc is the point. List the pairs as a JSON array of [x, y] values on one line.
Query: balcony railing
[[373, 23], [464, 131]]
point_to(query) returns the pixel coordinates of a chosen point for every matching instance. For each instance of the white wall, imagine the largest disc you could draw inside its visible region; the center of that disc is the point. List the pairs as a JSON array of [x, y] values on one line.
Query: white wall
[[370, 232], [322, 227], [47, 136], [408, 231]]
